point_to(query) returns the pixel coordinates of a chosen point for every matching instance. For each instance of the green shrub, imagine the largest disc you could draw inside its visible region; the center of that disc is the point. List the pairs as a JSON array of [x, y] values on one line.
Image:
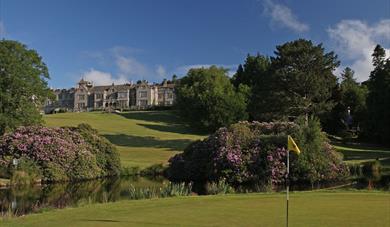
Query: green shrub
[[220, 187], [167, 190], [318, 161], [372, 170], [355, 169], [130, 171], [249, 154], [26, 172], [173, 189], [60, 154], [107, 157], [153, 170], [85, 167], [53, 172]]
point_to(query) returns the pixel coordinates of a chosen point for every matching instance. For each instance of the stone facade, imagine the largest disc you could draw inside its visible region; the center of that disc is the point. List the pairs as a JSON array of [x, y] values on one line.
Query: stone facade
[[86, 97]]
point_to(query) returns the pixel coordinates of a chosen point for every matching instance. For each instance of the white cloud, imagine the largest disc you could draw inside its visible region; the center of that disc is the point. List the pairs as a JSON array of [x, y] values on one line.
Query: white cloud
[[130, 66], [161, 72], [120, 60], [282, 16], [182, 70], [2, 30], [355, 40], [103, 78]]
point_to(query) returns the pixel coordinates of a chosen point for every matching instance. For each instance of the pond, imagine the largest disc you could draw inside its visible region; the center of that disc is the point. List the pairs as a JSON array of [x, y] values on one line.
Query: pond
[[29, 199]]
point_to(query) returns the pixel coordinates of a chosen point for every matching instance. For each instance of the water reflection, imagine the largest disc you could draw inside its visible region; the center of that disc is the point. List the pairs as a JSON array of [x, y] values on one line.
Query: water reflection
[[29, 199], [23, 200]]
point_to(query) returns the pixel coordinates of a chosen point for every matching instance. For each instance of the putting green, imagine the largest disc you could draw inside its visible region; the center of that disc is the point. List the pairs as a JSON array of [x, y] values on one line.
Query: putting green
[[306, 209]]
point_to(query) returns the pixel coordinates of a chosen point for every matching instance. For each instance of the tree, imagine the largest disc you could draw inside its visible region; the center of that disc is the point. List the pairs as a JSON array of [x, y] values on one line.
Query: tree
[[23, 85], [206, 98], [378, 100], [353, 97], [303, 79], [255, 73], [350, 104], [251, 73]]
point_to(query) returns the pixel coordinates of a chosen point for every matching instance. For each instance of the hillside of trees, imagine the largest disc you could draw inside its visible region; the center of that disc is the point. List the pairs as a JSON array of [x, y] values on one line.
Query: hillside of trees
[[299, 80]]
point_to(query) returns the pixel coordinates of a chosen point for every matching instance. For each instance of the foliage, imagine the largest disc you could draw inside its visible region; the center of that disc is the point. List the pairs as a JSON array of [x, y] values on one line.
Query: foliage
[[26, 172], [256, 74], [355, 169], [220, 187], [253, 71], [167, 190], [350, 109], [372, 170], [130, 171], [23, 85], [254, 153], [297, 81], [59, 153], [304, 74], [378, 100], [107, 157], [209, 93], [153, 170], [318, 161]]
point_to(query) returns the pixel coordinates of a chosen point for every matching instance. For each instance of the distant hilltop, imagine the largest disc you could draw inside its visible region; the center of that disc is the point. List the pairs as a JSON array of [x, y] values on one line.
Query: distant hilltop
[[87, 97]]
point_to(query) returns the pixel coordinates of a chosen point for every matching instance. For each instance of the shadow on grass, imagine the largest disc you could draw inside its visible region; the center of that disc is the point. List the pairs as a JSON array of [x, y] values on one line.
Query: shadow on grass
[[100, 220], [172, 128], [167, 117], [148, 141], [168, 121]]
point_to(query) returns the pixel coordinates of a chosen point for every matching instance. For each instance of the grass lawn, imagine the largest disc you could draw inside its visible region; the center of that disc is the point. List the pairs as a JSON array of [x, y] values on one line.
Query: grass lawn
[[142, 137], [360, 154], [306, 209]]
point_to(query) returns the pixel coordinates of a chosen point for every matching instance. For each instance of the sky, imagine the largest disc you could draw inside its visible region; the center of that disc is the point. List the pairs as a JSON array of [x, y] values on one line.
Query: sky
[[118, 41]]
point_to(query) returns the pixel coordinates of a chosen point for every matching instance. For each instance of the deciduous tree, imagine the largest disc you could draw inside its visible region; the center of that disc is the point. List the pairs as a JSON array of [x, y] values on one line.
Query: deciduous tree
[[206, 98], [23, 85]]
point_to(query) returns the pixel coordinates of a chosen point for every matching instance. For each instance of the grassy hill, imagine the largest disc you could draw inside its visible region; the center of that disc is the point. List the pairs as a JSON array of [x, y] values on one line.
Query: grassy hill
[[306, 209], [143, 137], [149, 137]]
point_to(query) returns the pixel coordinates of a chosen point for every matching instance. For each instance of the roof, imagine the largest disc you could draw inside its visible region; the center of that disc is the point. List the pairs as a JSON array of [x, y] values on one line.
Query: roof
[[120, 87]]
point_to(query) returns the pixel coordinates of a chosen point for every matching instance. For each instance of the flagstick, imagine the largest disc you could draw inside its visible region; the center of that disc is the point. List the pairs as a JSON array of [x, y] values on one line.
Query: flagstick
[[287, 183]]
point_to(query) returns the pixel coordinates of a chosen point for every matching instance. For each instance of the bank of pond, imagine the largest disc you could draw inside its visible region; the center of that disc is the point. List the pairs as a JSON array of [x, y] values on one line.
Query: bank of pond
[[22, 200]]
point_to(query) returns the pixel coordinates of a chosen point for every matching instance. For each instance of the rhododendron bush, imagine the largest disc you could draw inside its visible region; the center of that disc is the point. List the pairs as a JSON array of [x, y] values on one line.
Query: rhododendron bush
[[255, 153], [60, 153]]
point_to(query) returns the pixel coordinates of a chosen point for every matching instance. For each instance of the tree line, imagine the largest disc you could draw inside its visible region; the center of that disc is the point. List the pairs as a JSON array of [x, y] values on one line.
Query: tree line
[[298, 81]]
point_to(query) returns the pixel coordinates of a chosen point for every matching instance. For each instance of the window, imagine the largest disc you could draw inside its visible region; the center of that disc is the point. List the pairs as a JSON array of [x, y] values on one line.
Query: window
[[81, 105], [99, 96], [81, 97], [170, 95], [160, 95], [143, 102], [122, 95], [143, 94]]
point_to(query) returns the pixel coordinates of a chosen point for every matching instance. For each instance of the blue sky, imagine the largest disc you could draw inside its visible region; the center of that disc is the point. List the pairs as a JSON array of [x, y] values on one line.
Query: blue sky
[[117, 40]]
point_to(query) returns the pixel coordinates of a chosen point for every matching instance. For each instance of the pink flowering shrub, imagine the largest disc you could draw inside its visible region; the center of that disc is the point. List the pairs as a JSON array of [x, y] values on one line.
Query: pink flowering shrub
[[255, 153], [60, 153]]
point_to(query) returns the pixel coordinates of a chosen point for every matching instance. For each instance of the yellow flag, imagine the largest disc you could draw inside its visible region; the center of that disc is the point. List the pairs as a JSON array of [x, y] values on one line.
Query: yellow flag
[[292, 146]]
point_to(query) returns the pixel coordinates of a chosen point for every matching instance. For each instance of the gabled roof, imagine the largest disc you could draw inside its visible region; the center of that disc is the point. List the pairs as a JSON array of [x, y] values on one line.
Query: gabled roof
[[120, 87]]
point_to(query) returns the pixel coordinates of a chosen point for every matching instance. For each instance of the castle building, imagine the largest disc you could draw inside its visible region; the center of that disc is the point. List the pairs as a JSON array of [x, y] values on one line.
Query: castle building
[[87, 97]]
